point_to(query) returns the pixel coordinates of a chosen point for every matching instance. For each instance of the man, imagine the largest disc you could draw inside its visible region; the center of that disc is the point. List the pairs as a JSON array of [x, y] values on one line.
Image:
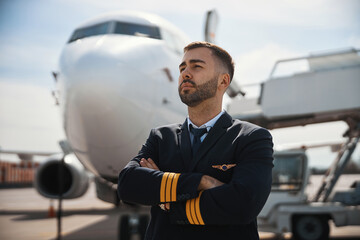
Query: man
[[207, 185]]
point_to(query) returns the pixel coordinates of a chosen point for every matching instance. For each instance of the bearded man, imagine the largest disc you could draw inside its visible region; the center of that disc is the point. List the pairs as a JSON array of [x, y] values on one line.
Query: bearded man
[[209, 177]]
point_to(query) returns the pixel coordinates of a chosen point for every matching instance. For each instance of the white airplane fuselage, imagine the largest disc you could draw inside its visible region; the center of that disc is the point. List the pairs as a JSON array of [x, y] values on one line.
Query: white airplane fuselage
[[115, 87]]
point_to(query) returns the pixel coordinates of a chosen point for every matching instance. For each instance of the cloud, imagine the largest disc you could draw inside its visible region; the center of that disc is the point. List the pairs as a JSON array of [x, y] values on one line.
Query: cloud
[[315, 13], [29, 61], [29, 119], [354, 42], [255, 66], [26, 55]]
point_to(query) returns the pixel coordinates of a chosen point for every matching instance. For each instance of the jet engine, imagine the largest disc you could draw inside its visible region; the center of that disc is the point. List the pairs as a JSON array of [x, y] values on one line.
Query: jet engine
[[72, 178]]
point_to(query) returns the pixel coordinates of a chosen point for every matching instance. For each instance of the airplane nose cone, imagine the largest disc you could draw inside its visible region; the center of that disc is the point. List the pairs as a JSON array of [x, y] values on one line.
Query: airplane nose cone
[[111, 101], [109, 110], [109, 106]]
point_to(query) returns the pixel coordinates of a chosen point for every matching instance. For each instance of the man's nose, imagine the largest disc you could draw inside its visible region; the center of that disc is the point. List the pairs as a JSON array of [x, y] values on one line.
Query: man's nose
[[185, 74]]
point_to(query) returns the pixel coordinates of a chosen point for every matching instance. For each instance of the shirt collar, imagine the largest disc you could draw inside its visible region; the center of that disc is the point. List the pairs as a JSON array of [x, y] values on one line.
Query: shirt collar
[[208, 124]]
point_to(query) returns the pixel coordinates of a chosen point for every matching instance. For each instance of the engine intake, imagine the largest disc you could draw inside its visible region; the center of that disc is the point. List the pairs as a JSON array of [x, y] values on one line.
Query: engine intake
[[74, 176]]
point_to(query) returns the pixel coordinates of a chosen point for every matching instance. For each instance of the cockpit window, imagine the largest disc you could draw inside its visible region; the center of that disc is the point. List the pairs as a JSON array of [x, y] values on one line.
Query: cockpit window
[[97, 29], [120, 28], [137, 30]]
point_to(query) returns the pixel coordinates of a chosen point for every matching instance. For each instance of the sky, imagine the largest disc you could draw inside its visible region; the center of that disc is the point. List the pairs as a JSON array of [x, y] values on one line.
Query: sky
[[255, 32]]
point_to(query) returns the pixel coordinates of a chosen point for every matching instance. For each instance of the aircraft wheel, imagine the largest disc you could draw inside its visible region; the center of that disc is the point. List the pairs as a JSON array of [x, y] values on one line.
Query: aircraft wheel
[[310, 227], [124, 228]]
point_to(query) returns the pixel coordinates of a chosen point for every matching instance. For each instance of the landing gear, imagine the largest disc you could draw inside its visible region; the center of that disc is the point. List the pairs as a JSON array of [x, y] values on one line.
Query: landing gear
[[310, 227], [130, 225], [124, 229], [143, 223]]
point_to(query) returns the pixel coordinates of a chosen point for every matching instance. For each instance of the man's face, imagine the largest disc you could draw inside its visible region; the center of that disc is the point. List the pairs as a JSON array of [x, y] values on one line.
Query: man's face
[[198, 78]]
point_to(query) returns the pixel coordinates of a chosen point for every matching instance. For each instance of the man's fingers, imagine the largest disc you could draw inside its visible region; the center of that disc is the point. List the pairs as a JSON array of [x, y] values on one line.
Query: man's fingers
[[149, 163], [145, 163], [165, 206], [152, 163], [208, 182]]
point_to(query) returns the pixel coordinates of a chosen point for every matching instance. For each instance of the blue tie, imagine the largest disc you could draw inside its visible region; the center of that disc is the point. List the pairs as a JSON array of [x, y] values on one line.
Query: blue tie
[[197, 132]]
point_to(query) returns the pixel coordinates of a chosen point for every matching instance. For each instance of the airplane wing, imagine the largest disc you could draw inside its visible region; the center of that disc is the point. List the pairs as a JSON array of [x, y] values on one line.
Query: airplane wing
[[27, 155]]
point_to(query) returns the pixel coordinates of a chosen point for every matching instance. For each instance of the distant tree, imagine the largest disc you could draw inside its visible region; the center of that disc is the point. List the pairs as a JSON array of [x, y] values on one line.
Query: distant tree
[[352, 168], [317, 171]]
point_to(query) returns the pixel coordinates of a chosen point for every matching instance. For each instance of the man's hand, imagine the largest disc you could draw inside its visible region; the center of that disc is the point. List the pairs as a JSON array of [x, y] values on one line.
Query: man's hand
[[208, 182], [149, 163]]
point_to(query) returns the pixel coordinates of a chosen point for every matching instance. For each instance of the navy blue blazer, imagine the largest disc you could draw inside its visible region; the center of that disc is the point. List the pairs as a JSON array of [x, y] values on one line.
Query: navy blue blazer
[[238, 153]]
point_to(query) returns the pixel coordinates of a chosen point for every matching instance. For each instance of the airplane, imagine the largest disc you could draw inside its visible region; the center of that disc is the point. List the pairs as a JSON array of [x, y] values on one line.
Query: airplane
[[117, 79]]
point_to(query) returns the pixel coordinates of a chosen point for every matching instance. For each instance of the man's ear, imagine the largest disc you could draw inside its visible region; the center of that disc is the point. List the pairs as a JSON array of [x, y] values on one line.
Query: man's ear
[[224, 81]]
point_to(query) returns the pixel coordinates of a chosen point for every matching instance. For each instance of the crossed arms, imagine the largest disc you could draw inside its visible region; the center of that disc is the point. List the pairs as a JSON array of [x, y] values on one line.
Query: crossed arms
[[199, 199], [206, 181]]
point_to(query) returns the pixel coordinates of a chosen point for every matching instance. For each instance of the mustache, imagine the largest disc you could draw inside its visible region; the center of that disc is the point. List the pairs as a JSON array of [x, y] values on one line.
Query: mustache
[[188, 81]]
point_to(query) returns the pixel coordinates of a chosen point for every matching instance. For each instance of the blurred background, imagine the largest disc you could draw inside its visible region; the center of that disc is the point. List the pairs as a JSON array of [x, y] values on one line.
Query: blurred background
[[256, 33]]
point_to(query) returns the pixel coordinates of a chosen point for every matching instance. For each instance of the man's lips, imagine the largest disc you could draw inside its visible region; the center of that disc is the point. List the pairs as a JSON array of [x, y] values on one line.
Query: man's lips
[[187, 84]]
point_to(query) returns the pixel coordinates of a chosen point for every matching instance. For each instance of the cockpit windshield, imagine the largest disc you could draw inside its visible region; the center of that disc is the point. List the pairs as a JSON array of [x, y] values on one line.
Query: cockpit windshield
[[115, 27], [98, 29], [137, 30]]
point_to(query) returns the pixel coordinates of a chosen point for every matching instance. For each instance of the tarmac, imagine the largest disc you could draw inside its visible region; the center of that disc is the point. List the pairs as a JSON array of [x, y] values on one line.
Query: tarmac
[[24, 215]]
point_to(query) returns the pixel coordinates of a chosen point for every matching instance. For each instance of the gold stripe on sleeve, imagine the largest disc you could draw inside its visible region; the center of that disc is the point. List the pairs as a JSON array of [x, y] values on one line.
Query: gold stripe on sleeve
[[168, 187], [192, 211], [163, 187], [174, 186], [188, 214], [197, 209]]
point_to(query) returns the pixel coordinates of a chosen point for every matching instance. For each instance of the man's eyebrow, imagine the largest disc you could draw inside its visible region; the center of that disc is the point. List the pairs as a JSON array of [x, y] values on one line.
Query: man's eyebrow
[[192, 61]]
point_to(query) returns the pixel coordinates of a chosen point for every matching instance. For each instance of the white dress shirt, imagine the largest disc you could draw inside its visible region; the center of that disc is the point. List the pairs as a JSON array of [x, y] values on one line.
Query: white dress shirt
[[208, 125]]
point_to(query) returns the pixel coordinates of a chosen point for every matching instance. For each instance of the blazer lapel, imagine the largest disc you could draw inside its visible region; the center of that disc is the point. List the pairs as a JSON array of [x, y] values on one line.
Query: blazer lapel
[[218, 130], [185, 145]]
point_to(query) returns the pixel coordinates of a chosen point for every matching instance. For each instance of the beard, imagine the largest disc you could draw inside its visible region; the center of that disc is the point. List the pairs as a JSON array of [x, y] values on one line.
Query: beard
[[202, 92]]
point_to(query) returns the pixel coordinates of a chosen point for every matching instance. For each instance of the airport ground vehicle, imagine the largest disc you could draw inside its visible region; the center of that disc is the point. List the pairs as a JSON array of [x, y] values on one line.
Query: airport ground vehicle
[[319, 88], [289, 209]]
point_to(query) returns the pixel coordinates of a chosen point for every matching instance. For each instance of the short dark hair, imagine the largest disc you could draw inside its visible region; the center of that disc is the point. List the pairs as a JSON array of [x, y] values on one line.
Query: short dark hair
[[221, 53]]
